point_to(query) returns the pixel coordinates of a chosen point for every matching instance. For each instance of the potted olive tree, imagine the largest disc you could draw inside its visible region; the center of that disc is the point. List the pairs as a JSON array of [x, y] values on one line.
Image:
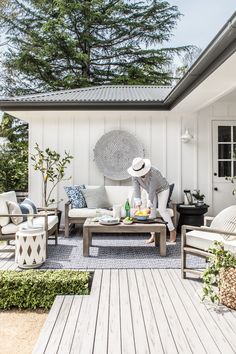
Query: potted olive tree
[[52, 167]]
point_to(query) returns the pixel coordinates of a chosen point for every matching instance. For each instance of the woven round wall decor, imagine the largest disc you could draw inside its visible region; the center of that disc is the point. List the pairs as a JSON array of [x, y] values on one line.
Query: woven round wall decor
[[114, 153]]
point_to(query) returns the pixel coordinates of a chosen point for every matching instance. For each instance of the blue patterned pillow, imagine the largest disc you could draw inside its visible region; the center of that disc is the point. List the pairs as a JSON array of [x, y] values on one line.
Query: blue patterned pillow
[[76, 196]]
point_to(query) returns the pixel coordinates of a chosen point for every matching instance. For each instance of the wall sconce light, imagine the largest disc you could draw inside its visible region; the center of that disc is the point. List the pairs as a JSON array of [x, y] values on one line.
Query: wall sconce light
[[186, 137]]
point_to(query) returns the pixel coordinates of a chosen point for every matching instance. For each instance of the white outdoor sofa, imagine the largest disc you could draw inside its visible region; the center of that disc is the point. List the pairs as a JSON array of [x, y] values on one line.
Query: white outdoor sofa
[[8, 229], [197, 240], [116, 195]]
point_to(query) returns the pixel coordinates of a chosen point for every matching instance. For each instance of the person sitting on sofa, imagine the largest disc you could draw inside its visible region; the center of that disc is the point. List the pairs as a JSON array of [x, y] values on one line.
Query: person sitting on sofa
[[150, 178]]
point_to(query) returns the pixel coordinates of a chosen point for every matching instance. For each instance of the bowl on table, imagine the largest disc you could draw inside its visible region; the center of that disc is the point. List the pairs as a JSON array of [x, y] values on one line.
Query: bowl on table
[[141, 217]]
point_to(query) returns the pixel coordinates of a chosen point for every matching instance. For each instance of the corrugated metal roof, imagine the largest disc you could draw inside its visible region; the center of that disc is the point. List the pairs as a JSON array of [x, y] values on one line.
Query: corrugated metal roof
[[99, 94]]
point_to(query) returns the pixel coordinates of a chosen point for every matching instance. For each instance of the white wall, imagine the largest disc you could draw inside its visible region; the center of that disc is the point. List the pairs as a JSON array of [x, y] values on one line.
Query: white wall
[[189, 165]]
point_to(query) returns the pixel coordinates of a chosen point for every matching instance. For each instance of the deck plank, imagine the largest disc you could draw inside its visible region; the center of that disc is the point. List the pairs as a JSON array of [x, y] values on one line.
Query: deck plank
[[127, 332], [192, 309], [166, 336], [155, 345], [140, 334], [114, 335], [101, 335], [59, 326], [48, 326], [84, 334], [174, 321], [212, 326], [68, 334], [187, 325]]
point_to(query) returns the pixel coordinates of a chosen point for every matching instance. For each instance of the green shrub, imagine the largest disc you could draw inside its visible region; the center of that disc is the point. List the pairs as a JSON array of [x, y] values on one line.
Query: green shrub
[[33, 289]]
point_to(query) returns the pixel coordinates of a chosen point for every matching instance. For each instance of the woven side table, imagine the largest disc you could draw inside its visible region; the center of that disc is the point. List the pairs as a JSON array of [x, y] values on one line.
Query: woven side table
[[30, 248]]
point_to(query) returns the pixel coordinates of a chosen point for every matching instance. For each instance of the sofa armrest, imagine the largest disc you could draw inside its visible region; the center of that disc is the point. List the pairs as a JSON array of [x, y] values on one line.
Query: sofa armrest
[[67, 207], [48, 210], [207, 229]]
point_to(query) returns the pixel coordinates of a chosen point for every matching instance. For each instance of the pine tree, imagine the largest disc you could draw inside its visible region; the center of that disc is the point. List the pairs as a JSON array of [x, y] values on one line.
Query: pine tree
[[60, 44], [13, 154]]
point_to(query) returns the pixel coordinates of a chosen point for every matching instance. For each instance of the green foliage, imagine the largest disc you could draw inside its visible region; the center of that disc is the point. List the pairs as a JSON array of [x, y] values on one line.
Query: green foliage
[[197, 195], [52, 167], [33, 289], [70, 44], [13, 154], [219, 260]]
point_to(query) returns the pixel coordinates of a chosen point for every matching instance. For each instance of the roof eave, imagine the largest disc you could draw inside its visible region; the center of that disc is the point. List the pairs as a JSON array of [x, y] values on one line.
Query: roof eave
[[60, 106], [215, 54]]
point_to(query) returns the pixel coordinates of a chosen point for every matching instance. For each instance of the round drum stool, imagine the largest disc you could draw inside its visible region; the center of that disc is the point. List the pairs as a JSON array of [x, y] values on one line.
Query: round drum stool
[[30, 248]]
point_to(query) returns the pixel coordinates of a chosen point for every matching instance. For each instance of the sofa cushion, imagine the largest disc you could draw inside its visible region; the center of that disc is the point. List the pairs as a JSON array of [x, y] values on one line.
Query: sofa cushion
[[14, 208], [88, 213], [75, 196], [96, 198], [38, 222], [202, 239], [226, 221], [4, 197]]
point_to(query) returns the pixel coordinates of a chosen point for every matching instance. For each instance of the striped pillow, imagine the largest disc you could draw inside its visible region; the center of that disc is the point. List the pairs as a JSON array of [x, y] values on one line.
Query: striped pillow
[[28, 207]]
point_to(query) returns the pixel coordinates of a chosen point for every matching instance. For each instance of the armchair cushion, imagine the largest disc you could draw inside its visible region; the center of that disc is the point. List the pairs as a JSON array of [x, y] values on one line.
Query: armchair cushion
[[226, 221], [4, 197], [37, 222], [28, 207]]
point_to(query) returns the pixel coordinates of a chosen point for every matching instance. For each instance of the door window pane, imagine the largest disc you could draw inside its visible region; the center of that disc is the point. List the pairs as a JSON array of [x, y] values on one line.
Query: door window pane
[[234, 168], [224, 168], [234, 152], [224, 133], [234, 129], [224, 151]]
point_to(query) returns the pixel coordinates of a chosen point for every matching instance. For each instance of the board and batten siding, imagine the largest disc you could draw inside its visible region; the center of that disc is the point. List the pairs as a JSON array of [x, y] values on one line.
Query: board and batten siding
[[78, 132], [188, 165]]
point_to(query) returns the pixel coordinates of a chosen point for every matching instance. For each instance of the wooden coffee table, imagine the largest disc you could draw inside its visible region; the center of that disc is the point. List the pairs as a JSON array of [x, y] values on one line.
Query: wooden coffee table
[[91, 227]]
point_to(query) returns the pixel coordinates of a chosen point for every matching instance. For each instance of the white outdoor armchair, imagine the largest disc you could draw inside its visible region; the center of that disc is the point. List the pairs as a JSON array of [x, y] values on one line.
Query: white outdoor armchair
[[8, 229], [197, 240]]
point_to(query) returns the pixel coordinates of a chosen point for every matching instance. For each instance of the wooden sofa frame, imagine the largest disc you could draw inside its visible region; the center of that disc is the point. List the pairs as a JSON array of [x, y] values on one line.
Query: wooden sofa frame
[[185, 249], [50, 234]]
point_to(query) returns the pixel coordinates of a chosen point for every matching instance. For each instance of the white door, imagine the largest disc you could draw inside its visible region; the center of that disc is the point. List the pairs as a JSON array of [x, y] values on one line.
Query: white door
[[224, 164]]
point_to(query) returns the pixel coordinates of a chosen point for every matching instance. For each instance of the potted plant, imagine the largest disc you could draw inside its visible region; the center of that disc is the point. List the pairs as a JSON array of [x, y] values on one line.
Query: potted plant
[[199, 197], [52, 167], [221, 272]]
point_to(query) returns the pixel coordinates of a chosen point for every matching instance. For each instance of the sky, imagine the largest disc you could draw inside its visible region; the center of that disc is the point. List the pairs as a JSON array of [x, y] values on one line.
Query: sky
[[201, 21]]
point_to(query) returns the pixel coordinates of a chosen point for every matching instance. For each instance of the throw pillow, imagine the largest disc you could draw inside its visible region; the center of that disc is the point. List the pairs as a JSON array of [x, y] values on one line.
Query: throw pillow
[[96, 198], [28, 207], [75, 196], [14, 208]]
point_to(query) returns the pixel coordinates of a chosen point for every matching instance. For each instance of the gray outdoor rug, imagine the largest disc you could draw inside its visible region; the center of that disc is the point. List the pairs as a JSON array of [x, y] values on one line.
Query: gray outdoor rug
[[115, 252]]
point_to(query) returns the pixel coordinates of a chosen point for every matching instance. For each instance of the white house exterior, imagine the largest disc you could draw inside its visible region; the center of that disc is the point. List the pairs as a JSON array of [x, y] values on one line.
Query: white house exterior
[[203, 100]]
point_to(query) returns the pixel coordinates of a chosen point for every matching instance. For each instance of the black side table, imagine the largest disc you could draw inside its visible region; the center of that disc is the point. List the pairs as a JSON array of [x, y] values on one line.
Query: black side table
[[191, 215]]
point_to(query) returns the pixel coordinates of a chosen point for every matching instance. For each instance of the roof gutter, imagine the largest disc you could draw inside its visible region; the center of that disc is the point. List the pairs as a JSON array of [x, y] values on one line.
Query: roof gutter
[[219, 50], [82, 106]]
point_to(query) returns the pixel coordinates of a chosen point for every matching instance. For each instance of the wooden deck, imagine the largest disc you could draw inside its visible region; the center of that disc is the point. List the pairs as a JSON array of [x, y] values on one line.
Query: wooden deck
[[138, 311]]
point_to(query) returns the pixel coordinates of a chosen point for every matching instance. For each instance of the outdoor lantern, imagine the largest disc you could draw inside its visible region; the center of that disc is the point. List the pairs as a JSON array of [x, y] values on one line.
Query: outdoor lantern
[[186, 137]]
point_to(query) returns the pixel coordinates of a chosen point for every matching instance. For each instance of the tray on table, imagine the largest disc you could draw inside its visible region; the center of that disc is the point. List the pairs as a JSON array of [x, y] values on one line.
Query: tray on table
[[148, 221]]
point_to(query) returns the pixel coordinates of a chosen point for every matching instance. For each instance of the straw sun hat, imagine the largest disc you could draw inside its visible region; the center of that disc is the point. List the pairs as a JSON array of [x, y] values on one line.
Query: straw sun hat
[[139, 167]]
